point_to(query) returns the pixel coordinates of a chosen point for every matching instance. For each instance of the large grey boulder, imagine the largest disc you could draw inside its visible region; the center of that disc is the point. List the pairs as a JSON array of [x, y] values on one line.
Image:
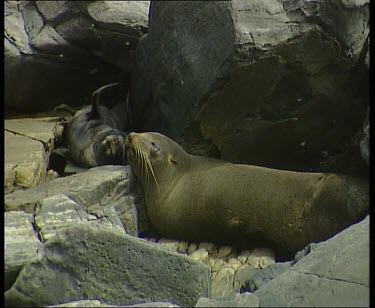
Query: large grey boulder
[[59, 52], [335, 273], [93, 261], [278, 83]]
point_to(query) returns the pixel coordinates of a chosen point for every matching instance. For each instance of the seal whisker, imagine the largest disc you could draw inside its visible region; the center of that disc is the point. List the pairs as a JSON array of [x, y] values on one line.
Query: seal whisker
[[152, 172]]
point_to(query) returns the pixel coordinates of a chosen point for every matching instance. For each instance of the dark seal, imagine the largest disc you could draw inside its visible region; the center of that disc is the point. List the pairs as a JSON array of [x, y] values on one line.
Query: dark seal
[[94, 135]]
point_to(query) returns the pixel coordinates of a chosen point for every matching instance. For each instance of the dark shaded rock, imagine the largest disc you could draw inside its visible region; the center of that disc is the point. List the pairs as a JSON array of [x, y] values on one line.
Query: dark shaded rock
[[280, 84], [336, 273], [58, 45], [237, 300], [91, 261]]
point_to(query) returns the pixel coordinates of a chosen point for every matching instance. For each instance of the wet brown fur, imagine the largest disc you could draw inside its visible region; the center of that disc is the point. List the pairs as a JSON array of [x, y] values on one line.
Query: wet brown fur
[[202, 199]]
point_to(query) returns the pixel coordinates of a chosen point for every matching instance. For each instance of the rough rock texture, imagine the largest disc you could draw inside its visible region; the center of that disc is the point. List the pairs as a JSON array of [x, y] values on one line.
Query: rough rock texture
[[95, 303], [237, 300], [21, 244], [249, 279], [52, 46], [103, 194], [28, 144], [97, 185], [92, 261], [55, 214], [280, 84], [336, 273]]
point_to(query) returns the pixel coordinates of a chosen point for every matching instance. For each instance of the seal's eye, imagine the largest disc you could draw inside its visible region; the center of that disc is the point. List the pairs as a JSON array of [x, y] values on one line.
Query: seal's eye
[[154, 149]]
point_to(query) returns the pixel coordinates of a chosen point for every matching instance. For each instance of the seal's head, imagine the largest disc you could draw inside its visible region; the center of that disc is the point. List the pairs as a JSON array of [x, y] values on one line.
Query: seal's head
[[154, 158], [108, 148]]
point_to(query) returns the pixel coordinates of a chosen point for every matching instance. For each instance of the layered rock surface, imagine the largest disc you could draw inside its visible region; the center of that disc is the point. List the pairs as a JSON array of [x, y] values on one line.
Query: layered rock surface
[[28, 144], [91, 261]]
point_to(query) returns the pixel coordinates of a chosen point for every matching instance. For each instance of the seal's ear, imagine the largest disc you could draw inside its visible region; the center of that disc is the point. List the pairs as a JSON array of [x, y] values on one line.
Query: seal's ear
[[172, 160]]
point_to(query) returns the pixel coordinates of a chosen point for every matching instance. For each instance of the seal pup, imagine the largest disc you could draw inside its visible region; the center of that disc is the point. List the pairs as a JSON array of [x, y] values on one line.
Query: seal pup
[[94, 135], [197, 198]]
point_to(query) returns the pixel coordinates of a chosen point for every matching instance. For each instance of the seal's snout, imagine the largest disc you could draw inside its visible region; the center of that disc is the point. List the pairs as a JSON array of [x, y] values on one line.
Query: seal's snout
[[129, 145]]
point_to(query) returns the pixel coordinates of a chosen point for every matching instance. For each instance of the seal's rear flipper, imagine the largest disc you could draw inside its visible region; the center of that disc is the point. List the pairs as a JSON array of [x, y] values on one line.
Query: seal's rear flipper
[[118, 93]]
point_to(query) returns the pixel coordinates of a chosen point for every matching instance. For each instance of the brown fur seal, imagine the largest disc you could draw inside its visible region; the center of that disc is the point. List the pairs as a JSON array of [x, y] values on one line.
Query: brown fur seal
[[202, 199], [94, 135]]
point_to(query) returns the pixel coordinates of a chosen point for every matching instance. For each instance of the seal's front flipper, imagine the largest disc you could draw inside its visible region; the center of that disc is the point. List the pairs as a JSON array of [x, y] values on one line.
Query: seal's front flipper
[[62, 152]]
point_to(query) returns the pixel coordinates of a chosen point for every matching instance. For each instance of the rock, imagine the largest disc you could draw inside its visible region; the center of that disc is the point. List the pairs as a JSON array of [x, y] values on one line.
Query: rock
[[249, 279], [258, 82], [86, 188], [127, 212], [55, 214], [305, 251], [41, 129], [119, 25], [92, 261], [25, 162], [336, 273], [28, 143], [101, 193], [222, 283], [237, 300], [21, 244], [95, 303], [62, 45]]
